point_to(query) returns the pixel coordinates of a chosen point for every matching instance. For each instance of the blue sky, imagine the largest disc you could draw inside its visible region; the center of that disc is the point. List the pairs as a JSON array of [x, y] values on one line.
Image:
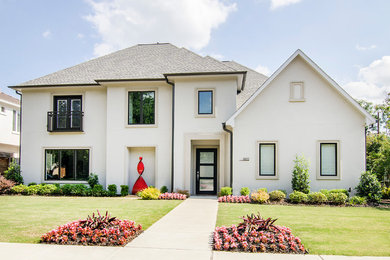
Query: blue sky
[[349, 39]]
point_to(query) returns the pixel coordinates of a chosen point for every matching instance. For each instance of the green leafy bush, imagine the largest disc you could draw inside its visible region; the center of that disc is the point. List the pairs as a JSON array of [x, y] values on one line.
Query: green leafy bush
[[284, 191], [337, 198], [369, 187], [13, 173], [386, 192], [344, 191], [32, 190], [19, 189], [164, 189], [298, 197], [325, 192], [32, 183], [245, 191], [93, 179], [225, 191], [78, 190], [124, 190], [260, 196], [48, 189], [66, 189], [5, 185], [185, 192], [262, 189], [150, 194], [300, 175], [276, 195], [111, 190], [356, 200], [98, 191], [316, 198]]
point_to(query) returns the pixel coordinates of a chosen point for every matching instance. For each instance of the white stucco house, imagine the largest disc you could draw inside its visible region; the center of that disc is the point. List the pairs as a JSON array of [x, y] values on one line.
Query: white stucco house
[[199, 123], [9, 130]]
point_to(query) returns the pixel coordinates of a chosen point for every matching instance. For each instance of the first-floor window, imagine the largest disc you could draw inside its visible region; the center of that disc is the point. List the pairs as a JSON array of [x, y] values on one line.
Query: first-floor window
[[267, 159], [328, 159], [67, 164]]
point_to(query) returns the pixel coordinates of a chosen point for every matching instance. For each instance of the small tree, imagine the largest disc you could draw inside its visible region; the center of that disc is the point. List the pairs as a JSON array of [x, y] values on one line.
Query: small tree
[[369, 187], [13, 173], [300, 179], [93, 180]]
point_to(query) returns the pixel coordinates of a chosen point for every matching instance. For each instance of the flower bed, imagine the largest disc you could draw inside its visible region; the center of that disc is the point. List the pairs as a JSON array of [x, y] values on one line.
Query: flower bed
[[172, 196], [256, 234], [96, 230], [234, 199]]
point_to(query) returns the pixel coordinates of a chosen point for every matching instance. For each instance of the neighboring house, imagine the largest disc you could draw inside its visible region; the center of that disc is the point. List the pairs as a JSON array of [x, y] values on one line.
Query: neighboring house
[[9, 130], [182, 112]]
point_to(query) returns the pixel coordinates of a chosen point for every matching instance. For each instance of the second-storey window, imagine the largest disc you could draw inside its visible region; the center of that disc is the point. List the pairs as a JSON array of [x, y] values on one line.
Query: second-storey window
[[205, 102], [67, 113], [141, 108], [16, 121]]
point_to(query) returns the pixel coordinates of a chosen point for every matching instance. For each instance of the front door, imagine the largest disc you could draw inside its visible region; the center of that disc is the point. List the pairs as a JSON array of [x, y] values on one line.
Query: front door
[[206, 171]]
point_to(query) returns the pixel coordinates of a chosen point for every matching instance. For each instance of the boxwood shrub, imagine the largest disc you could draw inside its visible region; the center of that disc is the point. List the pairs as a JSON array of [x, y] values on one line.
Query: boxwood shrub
[[245, 191], [111, 190], [337, 198], [316, 198], [150, 193], [276, 195], [124, 190], [298, 197], [225, 191]]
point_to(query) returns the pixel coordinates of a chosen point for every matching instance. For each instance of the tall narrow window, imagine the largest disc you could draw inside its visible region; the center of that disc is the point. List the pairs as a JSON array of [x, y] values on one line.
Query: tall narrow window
[[267, 159], [141, 108], [328, 159], [205, 102], [16, 121]]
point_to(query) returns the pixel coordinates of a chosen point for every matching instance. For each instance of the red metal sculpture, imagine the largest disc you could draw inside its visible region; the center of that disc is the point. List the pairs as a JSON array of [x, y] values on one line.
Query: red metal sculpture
[[140, 183]]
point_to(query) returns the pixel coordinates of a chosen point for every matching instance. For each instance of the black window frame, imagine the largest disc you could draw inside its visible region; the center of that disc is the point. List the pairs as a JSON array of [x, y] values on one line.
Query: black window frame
[[336, 161], [141, 109], [212, 101], [267, 175], [74, 163], [68, 114]]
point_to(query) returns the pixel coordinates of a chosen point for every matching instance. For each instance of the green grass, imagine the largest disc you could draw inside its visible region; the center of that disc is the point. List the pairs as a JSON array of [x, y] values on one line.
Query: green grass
[[24, 219], [324, 230]]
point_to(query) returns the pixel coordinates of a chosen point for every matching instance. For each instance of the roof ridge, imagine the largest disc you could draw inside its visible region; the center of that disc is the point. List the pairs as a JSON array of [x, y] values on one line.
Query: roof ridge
[[245, 67], [208, 56]]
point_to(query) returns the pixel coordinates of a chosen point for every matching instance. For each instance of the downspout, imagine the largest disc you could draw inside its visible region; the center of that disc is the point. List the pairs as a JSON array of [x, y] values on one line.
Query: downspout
[[20, 126], [173, 134], [231, 153], [365, 148]]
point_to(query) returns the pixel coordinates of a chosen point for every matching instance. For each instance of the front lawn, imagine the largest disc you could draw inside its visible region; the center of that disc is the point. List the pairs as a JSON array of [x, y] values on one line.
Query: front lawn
[[324, 230], [24, 219]]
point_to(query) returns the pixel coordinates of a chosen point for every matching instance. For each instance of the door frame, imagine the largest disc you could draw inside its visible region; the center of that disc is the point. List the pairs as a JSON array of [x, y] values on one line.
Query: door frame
[[197, 167]]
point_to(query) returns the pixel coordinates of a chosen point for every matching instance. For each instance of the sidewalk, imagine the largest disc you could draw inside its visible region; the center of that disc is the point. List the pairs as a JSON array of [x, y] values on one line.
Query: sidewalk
[[184, 233]]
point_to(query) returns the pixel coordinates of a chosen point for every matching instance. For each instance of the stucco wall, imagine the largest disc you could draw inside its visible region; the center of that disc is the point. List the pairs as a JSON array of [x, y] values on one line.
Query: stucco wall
[[297, 127], [9, 140]]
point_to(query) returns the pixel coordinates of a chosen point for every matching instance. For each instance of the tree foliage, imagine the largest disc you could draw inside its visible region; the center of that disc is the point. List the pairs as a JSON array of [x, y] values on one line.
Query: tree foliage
[[378, 155], [300, 179]]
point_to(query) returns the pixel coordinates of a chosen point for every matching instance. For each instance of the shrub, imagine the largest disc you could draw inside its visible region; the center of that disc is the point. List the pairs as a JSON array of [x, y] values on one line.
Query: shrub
[[164, 189], [32, 190], [46, 189], [96, 230], [386, 192], [344, 191], [262, 189], [298, 197], [300, 179], [13, 173], [32, 183], [172, 196], [276, 195], [234, 199], [138, 194], [19, 189], [356, 200], [337, 198], [98, 191], [225, 191], [260, 197], [78, 190], [245, 191], [111, 190], [93, 179], [5, 185], [124, 190], [185, 192], [150, 194], [316, 198], [325, 192], [369, 187], [66, 189]]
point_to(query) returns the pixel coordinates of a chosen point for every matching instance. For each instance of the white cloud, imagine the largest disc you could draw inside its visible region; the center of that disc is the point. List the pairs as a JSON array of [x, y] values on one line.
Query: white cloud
[[80, 35], [374, 81], [46, 34], [275, 4], [188, 23], [263, 70], [365, 48]]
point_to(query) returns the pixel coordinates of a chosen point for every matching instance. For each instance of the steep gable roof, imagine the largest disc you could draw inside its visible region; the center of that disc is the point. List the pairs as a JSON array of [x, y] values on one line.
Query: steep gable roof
[[315, 67], [142, 61]]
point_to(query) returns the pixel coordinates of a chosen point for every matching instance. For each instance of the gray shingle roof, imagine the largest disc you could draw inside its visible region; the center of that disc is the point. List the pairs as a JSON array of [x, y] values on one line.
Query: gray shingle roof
[[253, 81], [142, 61]]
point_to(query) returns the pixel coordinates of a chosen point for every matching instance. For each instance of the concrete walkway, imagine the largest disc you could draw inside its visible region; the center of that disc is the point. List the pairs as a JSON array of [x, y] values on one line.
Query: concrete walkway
[[184, 233]]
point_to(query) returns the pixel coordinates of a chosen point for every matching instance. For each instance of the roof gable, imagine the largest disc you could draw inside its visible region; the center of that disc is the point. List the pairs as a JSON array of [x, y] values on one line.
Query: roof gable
[[316, 68]]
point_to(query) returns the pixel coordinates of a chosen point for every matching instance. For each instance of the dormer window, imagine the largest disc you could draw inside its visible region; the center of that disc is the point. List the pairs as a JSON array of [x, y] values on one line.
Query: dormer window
[[205, 98], [297, 92]]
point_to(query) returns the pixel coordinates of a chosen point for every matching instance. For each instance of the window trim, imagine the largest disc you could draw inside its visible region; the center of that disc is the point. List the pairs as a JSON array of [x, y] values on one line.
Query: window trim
[[15, 121], [3, 112], [43, 170], [202, 115], [292, 85], [127, 91], [276, 161], [319, 162]]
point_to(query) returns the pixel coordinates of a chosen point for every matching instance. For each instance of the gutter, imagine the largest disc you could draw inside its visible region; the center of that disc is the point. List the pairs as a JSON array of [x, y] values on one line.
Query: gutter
[[20, 126], [173, 134], [231, 153]]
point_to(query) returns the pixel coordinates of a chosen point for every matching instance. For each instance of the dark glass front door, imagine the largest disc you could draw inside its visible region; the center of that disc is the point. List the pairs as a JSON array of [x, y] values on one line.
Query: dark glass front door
[[206, 171]]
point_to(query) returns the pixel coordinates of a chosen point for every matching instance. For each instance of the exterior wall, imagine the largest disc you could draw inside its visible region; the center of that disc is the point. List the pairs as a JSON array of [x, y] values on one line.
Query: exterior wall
[[9, 139], [191, 130], [36, 138], [297, 127]]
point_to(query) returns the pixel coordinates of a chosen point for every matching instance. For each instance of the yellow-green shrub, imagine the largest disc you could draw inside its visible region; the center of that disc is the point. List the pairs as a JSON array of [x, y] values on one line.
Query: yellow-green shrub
[[150, 193], [260, 196], [19, 189], [277, 195]]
